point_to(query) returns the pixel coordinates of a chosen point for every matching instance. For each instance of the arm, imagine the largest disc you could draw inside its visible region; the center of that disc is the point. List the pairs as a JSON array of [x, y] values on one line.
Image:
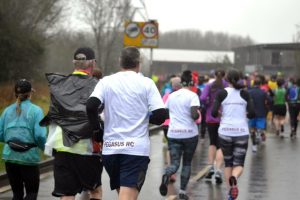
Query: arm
[[250, 106], [92, 106], [204, 94], [2, 128], [40, 133], [217, 102], [194, 112], [158, 116]]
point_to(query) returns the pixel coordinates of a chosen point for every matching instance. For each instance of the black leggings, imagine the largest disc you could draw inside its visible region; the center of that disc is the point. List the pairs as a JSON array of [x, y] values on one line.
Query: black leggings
[[294, 112], [213, 134], [23, 175]]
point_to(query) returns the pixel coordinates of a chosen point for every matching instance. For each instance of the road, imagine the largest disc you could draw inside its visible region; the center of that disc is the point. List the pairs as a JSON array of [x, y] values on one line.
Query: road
[[272, 173]]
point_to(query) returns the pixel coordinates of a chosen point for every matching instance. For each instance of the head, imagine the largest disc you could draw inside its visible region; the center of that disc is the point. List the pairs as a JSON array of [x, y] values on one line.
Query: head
[[97, 73], [187, 79], [130, 59], [176, 83], [84, 59], [233, 77], [280, 82], [23, 90], [218, 83], [257, 81]]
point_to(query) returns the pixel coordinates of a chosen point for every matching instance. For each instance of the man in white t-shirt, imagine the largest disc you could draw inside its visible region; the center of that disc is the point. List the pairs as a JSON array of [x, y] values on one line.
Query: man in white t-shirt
[[130, 101]]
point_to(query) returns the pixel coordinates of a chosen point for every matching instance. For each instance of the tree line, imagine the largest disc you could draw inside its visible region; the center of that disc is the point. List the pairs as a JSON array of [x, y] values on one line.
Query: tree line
[[33, 40]]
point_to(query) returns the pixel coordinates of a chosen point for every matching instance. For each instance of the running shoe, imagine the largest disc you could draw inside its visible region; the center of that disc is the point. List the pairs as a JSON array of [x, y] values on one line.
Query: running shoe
[[163, 188], [210, 173], [234, 191], [254, 148], [218, 177], [293, 134], [183, 196]]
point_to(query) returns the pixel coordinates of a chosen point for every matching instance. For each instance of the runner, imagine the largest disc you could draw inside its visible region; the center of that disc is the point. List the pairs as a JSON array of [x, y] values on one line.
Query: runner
[[176, 85], [279, 108], [258, 124], [235, 105], [183, 106], [71, 140], [214, 152], [130, 101], [293, 99], [22, 135]]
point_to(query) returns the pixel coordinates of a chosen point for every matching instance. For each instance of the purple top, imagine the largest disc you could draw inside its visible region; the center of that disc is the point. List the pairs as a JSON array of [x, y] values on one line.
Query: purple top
[[207, 97]]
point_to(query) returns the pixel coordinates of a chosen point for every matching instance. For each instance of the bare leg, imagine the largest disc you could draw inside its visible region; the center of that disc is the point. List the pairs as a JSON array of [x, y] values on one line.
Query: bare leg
[[127, 193], [219, 159], [97, 193], [67, 198], [211, 154]]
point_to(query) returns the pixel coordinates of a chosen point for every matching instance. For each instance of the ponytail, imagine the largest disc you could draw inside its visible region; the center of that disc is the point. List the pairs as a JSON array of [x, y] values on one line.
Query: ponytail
[[20, 98], [218, 83], [233, 77]]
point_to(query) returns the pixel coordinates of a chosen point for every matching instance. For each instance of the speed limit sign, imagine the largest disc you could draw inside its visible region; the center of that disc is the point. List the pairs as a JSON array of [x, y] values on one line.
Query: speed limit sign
[[141, 34], [149, 30]]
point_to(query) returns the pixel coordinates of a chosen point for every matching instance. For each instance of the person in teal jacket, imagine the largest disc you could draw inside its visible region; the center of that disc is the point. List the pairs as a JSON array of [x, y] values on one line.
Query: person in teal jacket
[[23, 136]]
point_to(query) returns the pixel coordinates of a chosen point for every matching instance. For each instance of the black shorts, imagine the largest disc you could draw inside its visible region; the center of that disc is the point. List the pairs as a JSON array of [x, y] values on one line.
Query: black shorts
[[279, 110], [74, 173]]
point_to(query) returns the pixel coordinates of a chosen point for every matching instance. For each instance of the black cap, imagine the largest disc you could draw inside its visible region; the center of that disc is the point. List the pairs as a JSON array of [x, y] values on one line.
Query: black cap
[[84, 53], [22, 86]]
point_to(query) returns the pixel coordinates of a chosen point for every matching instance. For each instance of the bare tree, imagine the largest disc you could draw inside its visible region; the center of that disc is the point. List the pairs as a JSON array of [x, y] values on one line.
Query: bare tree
[[106, 19], [24, 29]]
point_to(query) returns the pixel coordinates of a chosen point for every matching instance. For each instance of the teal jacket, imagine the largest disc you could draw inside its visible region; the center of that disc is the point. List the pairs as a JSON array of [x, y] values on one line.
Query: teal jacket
[[25, 128]]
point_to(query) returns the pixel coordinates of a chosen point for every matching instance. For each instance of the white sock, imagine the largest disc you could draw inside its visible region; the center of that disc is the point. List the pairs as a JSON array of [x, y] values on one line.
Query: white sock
[[182, 191]]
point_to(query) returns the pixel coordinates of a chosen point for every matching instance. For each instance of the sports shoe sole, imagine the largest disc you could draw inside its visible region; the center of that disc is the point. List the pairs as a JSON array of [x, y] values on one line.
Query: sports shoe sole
[[163, 188], [234, 191], [219, 180]]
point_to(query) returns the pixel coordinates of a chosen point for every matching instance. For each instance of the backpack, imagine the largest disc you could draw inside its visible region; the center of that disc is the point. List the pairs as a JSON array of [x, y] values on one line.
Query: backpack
[[293, 93]]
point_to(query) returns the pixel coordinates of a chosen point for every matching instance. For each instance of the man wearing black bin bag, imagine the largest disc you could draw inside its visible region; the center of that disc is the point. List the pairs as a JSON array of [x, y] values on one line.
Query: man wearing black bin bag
[[71, 140]]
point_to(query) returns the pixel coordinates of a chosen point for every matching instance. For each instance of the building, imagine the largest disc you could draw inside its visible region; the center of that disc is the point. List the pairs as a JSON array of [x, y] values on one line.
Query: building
[[174, 61], [268, 58]]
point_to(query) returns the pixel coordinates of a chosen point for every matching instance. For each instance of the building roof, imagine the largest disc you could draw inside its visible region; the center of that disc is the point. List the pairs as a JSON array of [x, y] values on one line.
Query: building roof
[[279, 46], [194, 56]]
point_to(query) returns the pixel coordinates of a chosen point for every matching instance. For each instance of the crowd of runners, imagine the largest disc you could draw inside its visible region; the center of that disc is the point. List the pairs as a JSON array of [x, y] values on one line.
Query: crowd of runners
[[234, 107], [95, 123]]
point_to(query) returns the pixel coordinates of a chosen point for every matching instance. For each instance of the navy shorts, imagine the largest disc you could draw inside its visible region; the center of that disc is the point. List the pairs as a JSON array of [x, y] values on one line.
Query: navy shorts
[[126, 170]]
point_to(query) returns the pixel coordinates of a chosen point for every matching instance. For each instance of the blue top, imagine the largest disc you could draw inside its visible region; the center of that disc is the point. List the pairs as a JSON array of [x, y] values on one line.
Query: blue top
[[261, 100], [24, 128]]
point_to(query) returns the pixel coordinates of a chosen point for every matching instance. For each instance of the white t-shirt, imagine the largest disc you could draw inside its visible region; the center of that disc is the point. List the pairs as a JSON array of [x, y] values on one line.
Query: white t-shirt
[[234, 120], [128, 100], [179, 104]]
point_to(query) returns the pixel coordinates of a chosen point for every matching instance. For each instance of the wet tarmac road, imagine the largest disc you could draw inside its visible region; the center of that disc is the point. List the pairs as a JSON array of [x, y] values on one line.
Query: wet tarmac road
[[272, 173]]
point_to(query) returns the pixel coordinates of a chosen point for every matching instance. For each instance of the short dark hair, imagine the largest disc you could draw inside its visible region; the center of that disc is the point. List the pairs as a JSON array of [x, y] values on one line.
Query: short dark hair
[[186, 78], [130, 57]]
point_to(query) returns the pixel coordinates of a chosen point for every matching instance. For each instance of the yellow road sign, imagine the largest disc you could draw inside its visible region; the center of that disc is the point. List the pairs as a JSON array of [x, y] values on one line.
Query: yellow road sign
[[141, 34]]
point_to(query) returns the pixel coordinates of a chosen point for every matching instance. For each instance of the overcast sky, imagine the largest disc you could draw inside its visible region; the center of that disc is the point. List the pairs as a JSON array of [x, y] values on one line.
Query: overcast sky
[[265, 21]]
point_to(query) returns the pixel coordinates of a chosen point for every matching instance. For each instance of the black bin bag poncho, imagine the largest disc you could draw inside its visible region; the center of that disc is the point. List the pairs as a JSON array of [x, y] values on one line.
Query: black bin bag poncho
[[69, 95]]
